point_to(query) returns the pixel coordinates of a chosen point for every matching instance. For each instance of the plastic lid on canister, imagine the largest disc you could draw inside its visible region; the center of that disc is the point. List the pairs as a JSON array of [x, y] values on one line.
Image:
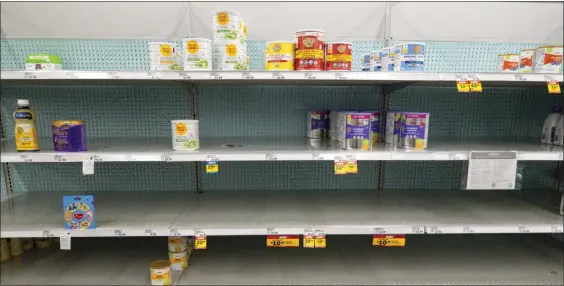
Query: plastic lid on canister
[[23, 102], [159, 264], [338, 42], [309, 30], [289, 42]]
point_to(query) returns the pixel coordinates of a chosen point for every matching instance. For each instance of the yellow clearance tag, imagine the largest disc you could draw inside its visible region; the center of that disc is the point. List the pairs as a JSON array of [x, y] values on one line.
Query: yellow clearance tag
[[282, 241], [553, 87], [462, 86], [212, 167], [475, 86], [309, 241], [320, 241], [383, 240], [352, 166], [201, 242], [341, 166]]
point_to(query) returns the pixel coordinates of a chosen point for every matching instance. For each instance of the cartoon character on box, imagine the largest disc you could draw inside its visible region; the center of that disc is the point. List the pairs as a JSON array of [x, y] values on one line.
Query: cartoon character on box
[[79, 212]]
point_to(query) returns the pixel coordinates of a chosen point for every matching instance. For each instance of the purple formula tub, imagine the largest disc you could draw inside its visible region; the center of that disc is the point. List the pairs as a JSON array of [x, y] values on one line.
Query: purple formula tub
[[68, 135]]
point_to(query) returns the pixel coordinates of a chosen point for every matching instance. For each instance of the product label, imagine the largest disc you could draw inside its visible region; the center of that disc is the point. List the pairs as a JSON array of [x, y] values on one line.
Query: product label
[[413, 130], [510, 65], [69, 137], [192, 47], [357, 131], [552, 59], [231, 50], [166, 50], [222, 18], [527, 62], [181, 129]]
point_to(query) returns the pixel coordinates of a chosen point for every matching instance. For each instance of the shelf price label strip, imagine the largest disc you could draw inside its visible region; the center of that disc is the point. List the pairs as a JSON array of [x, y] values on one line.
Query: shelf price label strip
[[314, 239], [283, 241], [383, 240], [462, 83]]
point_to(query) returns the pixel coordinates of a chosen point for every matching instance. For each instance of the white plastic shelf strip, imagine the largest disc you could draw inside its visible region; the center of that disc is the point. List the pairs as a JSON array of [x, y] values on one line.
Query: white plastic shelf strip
[[261, 76]]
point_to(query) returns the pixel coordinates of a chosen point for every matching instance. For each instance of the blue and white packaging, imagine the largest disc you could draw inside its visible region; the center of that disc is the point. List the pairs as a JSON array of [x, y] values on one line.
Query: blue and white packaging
[[409, 57], [387, 56], [365, 62], [376, 60]]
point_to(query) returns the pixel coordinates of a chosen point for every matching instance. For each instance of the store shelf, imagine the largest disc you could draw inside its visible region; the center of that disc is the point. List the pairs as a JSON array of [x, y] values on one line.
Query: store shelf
[[289, 212], [264, 149], [364, 212], [260, 77], [426, 260], [89, 262], [116, 213]]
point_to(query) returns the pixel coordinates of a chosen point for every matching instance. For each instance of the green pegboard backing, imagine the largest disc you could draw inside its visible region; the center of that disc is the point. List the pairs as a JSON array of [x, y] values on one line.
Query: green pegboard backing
[[274, 111], [108, 111], [53, 177], [273, 176]]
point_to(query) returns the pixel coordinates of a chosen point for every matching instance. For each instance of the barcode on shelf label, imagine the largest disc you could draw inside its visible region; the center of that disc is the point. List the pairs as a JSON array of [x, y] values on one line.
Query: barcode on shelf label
[[317, 156], [520, 77], [340, 76], [166, 157], [309, 75], [96, 158], [271, 157], [248, 75], [119, 232], [523, 229], [277, 75], [71, 75], [271, 230], [129, 158], [47, 233], [379, 230], [454, 156], [174, 232], [417, 229], [184, 76], [113, 75], [461, 77], [153, 75], [150, 232], [215, 76], [29, 75], [26, 158], [59, 158], [435, 230], [467, 229]]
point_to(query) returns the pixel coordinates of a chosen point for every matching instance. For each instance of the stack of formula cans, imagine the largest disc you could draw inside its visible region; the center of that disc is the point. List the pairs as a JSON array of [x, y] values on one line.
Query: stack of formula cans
[[409, 130], [229, 41]]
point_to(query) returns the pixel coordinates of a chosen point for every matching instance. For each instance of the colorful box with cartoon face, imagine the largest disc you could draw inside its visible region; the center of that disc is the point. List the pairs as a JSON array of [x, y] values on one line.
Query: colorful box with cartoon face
[[79, 212]]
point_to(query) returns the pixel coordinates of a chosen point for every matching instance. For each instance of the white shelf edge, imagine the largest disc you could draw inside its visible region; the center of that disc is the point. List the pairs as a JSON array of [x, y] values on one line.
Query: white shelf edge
[[271, 75]]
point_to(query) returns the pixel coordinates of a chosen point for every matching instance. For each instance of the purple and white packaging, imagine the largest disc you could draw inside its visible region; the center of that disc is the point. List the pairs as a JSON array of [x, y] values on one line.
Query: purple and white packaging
[[392, 127], [414, 130], [357, 133]]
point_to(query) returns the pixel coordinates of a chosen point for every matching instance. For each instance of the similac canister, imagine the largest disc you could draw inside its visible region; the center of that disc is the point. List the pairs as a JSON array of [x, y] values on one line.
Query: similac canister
[[548, 59], [365, 60], [376, 60], [185, 135], [409, 57], [279, 55], [197, 54], [507, 63], [526, 60], [338, 56], [160, 272], [309, 50]]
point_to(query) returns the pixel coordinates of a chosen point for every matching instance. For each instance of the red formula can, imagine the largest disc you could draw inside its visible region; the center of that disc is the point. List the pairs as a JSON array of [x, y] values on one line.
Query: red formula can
[[309, 50], [338, 56]]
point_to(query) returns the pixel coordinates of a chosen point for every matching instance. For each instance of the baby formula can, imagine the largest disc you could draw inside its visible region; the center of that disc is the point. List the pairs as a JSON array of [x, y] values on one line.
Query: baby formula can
[[338, 56], [185, 135], [387, 59], [357, 132], [178, 260], [309, 50], [68, 135], [376, 60], [414, 130], [526, 60], [365, 60], [409, 57], [227, 25], [392, 127], [4, 250], [160, 272], [548, 59], [197, 54], [317, 124], [16, 247], [333, 124], [162, 55], [375, 126], [279, 55], [507, 63], [177, 243], [229, 56]]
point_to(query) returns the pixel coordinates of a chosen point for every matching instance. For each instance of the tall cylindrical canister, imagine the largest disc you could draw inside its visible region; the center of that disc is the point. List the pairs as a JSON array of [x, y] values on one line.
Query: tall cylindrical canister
[[309, 50]]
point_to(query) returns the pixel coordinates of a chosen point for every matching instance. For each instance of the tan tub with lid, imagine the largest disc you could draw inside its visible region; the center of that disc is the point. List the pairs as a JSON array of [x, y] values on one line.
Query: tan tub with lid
[[160, 272]]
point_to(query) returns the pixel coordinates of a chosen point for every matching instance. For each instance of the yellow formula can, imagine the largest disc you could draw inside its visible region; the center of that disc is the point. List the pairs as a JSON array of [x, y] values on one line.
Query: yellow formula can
[[160, 272], [177, 243], [178, 260], [42, 242], [27, 243], [4, 250], [279, 56], [16, 247]]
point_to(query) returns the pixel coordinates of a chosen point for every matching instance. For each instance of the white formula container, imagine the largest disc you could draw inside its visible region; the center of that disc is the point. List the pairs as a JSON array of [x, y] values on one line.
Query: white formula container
[[229, 55], [376, 60], [185, 135], [548, 60], [526, 60], [507, 63], [409, 57], [163, 56], [549, 126], [228, 25], [178, 260], [365, 60], [388, 59], [197, 54]]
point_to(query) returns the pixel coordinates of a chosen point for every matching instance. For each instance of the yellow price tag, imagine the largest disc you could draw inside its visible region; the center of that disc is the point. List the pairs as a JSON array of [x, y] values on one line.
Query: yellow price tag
[[553, 87], [320, 241], [341, 166], [382, 240], [352, 166], [201, 242], [281, 241], [212, 168], [462, 86], [309, 241], [475, 86]]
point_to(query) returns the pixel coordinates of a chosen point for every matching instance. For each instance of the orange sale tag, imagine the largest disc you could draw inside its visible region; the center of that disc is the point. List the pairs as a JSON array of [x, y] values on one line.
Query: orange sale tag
[[383, 240], [282, 241]]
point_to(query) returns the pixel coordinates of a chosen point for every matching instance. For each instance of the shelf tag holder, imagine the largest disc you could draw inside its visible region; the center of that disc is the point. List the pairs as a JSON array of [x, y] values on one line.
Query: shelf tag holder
[[65, 240], [492, 170], [553, 85], [320, 239], [387, 240], [88, 167], [352, 165], [212, 167], [309, 239], [475, 84], [200, 240], [282, 241], [462, 83], [340, 165]]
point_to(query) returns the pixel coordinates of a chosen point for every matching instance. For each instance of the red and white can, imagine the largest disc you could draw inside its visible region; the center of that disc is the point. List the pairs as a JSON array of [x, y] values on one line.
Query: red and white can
[[338, 56], [309, 52]]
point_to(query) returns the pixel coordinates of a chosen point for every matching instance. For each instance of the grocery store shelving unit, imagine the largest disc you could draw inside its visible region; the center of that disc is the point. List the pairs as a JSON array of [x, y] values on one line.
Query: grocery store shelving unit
[[273, 180]]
